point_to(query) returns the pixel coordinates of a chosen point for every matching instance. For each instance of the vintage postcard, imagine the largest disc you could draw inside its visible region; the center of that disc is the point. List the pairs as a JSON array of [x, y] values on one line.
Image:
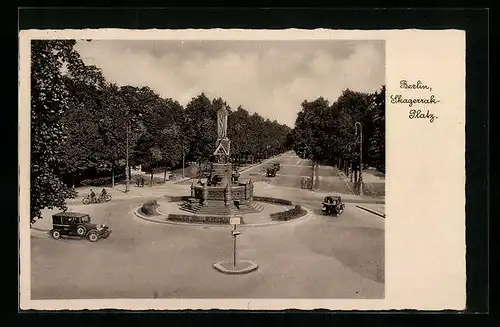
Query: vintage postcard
[[242, 169]]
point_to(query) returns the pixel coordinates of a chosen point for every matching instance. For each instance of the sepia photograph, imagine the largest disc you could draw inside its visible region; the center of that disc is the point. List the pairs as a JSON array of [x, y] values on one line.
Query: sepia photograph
[[207, 169]]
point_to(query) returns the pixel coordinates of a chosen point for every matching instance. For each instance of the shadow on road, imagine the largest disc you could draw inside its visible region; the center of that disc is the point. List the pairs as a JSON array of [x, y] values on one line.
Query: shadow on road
[[360, 249]]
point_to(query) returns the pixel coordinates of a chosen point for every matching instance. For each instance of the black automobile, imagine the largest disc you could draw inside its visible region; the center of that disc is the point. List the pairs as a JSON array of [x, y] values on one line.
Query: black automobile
[[276, 166], [332, 205], [271, 172], [77, 224]]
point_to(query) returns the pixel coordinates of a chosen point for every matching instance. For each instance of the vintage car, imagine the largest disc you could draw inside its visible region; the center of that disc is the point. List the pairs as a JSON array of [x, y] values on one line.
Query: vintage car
[[276, 166], [271, 172], [332, 205], [77, 224]]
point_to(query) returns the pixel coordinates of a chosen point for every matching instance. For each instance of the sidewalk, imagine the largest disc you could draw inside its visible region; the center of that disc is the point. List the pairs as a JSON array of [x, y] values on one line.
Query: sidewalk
[[134, 191], [373, 182]]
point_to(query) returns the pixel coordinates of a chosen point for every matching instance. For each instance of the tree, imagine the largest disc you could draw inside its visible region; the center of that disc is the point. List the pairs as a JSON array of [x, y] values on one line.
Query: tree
[[310, 133], [163, 123], [81, 151], [200, 128], [376, 149], [49, 101]]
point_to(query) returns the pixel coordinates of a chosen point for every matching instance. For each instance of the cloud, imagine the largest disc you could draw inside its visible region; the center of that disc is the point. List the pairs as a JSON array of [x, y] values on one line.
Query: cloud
[[271, 78]]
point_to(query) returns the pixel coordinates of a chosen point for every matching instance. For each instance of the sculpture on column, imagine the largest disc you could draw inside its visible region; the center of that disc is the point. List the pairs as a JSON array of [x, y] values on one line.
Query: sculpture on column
[[223, 195]]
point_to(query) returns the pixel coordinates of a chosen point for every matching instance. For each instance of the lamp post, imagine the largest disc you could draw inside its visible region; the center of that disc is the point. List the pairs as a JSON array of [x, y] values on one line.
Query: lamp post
[[360, 155], [183, 159], [127, 182], [313, 178]]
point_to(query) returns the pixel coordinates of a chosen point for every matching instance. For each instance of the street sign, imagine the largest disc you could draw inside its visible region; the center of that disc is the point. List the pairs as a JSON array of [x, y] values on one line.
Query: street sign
[[236, 233], [235, 221]]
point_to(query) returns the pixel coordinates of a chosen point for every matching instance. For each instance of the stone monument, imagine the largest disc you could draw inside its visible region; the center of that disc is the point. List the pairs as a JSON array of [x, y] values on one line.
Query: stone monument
[[222, 193]]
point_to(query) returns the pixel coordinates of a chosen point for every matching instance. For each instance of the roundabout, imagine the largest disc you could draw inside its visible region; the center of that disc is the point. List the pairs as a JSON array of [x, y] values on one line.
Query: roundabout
[[166, 210], [313, 256]]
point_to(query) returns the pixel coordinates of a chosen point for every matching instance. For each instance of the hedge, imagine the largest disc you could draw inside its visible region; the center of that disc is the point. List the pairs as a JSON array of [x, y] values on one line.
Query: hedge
[[149, 208], [272, 200], [176, 198], [147, 180], [200, 219], [101, 180], [296, 212]]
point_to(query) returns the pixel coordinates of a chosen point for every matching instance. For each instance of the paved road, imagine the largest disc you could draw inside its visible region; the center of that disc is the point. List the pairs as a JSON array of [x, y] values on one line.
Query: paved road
[[319, 257], [327, 178]]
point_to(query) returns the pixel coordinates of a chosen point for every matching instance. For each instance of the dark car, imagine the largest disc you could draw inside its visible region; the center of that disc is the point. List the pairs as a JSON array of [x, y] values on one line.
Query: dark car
[[77, 224], [271, 172], [332, 205], [276, 166]]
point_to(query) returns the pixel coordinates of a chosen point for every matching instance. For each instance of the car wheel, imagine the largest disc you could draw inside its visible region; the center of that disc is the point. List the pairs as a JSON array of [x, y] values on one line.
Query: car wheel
[[55, 234], [86, 201], [107, 198], [80, 230], [93, 237]]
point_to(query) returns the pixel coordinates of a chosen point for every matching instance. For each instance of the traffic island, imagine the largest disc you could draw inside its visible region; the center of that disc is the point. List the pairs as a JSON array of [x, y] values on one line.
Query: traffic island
[[235, 268]]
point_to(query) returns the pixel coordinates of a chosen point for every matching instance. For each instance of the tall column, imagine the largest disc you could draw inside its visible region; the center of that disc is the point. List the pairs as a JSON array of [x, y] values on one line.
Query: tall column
[[227, 195], [205, 194], [250, 184]]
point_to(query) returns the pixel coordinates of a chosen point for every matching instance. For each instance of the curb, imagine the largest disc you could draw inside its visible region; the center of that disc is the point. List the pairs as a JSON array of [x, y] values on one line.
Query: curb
[[375, 212], [168, 222], [40, 229], [363, 201], [183, 180]]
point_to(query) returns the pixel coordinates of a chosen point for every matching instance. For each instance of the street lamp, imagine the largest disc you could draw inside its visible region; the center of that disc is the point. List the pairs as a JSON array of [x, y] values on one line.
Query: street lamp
[[126, 165], [183, 159], [360, 155]]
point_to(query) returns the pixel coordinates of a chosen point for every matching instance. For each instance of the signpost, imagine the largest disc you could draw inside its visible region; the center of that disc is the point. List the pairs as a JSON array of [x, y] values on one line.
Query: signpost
[[234, 221], [244, 266]]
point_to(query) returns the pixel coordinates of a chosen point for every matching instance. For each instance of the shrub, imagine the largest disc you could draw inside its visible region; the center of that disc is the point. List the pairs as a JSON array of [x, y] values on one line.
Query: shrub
[[296, 212], [147, 180], [272, 200], [149, 208], [199, 219], [176, 198], [101, 180]]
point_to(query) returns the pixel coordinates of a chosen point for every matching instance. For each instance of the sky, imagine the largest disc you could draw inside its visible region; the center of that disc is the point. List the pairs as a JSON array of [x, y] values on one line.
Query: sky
[[271, 78]]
